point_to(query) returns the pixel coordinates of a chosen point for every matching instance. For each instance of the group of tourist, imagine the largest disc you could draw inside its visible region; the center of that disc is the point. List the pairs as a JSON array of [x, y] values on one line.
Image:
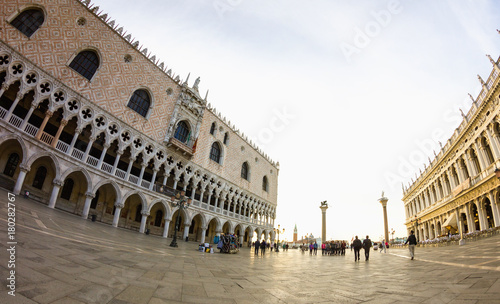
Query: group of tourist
[[333, 248], [263, 245]]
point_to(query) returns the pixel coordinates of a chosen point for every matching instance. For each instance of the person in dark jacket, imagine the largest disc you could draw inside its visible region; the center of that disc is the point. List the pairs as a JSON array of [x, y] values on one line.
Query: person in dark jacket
[[356, 244], [257, 246], [367, 244], [412, 241]]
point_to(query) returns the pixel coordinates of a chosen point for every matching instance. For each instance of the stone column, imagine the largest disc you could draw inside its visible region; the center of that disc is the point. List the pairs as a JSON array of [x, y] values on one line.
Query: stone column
[[471, 226], [64, 122], [117, 159], [480, 213], [323, 208], [73, 141], [383, 200], [55, 191], [155, 171], [130, 164], [28, 116], [494, 208], [165, 230], [87, 151], [241, 240], [141, 175], [176, 180], [86, 207], [116, 216], [203, 232], [494, 143], [186, 231], [19, 96], [48, 115], [144, 219], [20, 178], [101, 159]]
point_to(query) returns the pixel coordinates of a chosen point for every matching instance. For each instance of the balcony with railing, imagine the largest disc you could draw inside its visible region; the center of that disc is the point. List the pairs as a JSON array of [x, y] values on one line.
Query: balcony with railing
[[185, 148]]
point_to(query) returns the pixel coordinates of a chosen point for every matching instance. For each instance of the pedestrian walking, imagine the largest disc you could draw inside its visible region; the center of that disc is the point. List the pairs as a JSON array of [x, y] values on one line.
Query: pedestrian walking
[[323, 247], [315, 248], [311, 246], [257, 246], [383, 246], [412, 241], [356, 245], [367, 244], [263, 247]]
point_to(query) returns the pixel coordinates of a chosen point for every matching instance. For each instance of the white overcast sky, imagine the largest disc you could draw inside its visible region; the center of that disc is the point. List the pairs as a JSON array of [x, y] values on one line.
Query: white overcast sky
[[349, 96]]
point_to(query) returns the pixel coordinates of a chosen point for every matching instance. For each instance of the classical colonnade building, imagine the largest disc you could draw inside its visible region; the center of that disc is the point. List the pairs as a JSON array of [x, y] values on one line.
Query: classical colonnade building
[[459, 188], [93, 124]]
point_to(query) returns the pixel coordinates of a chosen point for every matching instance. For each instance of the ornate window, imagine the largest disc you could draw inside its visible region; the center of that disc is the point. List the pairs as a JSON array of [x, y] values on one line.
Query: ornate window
[[67, 189], [85, 63], [212, 129], [40, 175], [11, 166], [29, 21], [265, 184], [140, 102], [226, 138], [215, 152], [244, 170], [182, 132]]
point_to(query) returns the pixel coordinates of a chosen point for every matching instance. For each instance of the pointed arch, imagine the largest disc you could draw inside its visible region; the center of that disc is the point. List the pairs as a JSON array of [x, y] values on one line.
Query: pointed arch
[[20, 141], [83, 171], [168, 211], [144, 201], [113, 184], [50, 155]]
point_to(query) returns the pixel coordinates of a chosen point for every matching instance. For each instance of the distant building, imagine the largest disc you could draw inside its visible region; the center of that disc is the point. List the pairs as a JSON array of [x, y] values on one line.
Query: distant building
[[459, 189], [295, 234]]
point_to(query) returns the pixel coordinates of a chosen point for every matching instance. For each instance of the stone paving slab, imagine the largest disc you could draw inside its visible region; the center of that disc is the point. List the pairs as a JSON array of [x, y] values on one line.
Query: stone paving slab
[[63, 259]]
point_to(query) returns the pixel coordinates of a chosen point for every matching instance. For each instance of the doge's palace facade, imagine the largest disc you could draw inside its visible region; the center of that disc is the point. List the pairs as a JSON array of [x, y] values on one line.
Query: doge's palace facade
[[459, 190], [92, 123]]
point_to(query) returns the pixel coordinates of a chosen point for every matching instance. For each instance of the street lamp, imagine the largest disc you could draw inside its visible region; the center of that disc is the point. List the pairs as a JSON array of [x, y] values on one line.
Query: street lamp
[[183, 202], [278, 231], [392, 233]]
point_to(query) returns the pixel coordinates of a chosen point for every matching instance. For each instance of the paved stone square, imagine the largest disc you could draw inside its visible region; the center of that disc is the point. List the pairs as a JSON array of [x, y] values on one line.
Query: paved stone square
[[61, 258]]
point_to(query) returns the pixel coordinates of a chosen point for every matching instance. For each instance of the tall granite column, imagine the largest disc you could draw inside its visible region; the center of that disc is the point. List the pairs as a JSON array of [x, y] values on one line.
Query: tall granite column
[[323, 208], [383, 200]]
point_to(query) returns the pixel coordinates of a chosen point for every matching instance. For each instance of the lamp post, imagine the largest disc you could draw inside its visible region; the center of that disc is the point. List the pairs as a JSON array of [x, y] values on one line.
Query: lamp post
[[392, 233], [415, 221], [183, 202], [278, 231]]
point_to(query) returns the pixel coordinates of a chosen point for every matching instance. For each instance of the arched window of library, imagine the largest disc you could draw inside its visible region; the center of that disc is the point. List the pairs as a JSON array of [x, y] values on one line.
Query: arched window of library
[[140, 102], [29, 21], [85, 63], [182, 132]]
